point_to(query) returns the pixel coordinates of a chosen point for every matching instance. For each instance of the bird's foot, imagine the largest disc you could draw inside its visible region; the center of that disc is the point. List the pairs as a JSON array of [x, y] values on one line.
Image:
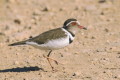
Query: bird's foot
[[53, 60]]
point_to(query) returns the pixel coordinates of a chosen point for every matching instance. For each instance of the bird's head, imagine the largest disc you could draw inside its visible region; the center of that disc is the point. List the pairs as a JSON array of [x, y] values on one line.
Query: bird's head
[[73, 25]]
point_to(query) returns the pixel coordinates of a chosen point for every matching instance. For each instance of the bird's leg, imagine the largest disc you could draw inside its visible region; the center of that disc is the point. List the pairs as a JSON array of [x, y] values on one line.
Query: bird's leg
[[48, 58]]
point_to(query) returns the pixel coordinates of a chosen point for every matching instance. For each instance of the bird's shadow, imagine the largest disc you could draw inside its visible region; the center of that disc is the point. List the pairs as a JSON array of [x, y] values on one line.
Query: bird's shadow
[[22, 69]]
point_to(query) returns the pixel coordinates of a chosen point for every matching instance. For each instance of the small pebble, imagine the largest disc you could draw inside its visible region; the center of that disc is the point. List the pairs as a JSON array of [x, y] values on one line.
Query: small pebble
[[92, 37], [31, 37], [106, 30], [77, 8], [102, 13], [115, 77], [118, 53], [17, 53], [74, 74], [61, 9], [17, 21], [104, 71], [2, 33], [102, 1], [45, 9], [25, 79]]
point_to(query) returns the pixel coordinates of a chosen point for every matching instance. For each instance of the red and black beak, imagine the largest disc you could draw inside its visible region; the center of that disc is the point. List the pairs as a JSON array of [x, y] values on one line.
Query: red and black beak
[[85, 28], [82, 27]]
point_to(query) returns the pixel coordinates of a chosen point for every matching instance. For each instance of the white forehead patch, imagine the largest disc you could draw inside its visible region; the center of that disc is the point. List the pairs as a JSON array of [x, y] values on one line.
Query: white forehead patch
[[72, 21], [78, 22]]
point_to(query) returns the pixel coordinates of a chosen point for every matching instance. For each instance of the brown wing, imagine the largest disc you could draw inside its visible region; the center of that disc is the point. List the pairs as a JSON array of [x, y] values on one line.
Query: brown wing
[[48, 35]]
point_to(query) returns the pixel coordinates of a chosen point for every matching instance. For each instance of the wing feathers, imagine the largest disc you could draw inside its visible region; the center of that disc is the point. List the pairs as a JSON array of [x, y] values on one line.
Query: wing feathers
[[18, 43], [44, 37]]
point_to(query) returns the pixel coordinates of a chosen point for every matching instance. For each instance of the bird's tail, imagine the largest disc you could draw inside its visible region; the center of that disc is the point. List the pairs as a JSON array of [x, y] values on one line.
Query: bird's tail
[[18, 43]]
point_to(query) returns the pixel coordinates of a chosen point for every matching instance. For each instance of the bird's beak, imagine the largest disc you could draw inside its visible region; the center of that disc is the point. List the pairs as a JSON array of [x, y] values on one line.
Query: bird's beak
[[85, 28], [82, 27]]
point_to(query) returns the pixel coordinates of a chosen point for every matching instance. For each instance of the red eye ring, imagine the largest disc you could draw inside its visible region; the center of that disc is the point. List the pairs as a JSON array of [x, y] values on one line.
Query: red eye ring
[[74, 23]]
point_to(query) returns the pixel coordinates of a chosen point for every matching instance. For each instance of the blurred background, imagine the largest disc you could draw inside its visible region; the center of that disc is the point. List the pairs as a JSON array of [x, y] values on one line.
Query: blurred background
[[94, 55]]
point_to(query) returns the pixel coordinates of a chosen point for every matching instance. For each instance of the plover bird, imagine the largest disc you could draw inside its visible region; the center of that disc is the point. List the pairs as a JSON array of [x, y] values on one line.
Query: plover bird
[[55, 38]]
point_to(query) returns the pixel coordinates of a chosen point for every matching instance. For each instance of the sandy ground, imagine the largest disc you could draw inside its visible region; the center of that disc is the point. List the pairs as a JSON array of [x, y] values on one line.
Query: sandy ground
[[94, 54]]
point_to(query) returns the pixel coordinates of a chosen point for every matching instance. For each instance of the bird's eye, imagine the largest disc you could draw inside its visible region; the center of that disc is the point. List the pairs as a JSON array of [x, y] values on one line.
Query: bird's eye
[[74, 23]]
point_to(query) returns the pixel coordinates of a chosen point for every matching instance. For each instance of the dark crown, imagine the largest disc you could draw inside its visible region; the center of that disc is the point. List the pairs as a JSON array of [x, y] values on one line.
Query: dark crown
[[68, 21]]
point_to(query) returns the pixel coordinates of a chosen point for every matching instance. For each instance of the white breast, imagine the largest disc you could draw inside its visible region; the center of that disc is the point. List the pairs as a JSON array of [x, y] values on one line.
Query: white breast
[[57, 43]]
